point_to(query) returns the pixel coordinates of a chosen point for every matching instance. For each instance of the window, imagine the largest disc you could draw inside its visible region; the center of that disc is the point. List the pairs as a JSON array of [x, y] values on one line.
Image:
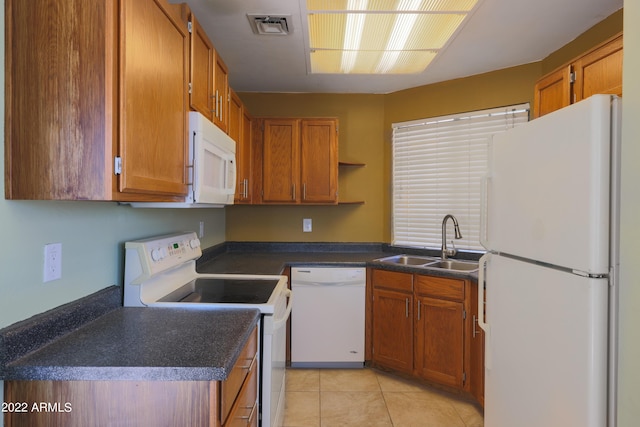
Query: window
[[438, 166]]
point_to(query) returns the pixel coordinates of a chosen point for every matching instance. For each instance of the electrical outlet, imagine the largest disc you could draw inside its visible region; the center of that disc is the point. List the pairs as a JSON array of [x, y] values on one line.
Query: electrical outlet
[[201, 233], [52, 262], [306, 225]]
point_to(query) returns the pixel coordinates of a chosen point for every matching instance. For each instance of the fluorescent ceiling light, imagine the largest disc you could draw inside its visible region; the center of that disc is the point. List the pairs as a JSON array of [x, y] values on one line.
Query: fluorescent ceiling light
[[381, 36]]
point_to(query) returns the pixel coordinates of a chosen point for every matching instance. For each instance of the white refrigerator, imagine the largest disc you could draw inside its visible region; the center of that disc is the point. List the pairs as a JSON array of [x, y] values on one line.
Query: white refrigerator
[[550, 227]]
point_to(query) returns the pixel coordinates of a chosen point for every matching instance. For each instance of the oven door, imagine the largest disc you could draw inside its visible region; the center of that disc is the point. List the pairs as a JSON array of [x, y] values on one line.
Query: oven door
[[272, 387]]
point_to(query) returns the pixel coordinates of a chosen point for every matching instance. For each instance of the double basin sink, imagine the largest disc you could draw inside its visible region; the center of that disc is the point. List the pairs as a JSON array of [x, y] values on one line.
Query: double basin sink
[[431, 263]]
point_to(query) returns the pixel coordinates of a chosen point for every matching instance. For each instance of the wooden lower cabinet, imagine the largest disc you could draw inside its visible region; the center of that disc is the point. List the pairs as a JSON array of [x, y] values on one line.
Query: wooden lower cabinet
[[233, 402], [112, 403], [439, 341], [393, 329], [423, 325]]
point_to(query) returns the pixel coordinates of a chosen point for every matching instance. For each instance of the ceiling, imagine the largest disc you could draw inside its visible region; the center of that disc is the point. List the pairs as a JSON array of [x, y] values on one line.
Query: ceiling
[[499, 34]]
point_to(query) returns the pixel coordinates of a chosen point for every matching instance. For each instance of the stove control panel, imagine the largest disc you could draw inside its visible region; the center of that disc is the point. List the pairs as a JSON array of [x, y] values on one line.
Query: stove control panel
[[148, 257]]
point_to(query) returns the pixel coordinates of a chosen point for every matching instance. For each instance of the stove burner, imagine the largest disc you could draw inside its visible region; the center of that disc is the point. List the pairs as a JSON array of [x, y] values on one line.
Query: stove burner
[[237, 291]]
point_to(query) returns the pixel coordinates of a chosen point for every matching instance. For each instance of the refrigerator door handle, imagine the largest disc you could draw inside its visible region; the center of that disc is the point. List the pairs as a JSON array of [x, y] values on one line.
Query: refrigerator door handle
[[484, 217], [481, 304]]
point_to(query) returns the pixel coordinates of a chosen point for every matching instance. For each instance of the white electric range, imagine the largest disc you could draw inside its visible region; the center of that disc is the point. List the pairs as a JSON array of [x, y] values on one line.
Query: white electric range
[[161, 272]]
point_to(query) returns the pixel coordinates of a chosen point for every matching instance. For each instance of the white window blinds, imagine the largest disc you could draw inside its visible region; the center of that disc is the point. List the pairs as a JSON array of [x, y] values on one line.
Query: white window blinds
[[438, 165]]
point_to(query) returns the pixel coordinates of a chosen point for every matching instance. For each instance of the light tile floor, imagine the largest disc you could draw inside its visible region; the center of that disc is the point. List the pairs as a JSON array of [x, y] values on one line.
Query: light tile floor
[[370, 398]]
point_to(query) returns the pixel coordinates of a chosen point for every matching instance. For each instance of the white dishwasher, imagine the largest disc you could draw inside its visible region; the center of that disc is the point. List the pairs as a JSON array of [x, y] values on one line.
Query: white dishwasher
[[327, 318]]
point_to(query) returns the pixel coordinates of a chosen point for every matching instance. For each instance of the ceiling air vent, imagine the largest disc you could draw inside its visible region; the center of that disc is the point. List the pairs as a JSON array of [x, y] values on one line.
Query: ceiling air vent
[[270, 24]]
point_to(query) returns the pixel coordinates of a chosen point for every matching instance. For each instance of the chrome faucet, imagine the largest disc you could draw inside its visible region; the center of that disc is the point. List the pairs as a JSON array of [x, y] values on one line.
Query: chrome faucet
[[449, 252]]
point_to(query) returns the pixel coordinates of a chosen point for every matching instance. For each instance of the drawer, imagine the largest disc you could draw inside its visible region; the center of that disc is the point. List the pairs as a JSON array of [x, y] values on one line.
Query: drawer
[[440, 287], [392, 280], [246, 364], [245, 411]]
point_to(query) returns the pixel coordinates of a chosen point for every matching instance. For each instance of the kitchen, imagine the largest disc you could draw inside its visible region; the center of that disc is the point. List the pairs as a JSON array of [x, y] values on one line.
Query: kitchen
[[30, 225]]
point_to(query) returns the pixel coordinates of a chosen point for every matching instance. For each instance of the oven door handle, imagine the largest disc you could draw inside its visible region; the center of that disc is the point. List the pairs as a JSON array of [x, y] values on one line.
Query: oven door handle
[[280, 322]]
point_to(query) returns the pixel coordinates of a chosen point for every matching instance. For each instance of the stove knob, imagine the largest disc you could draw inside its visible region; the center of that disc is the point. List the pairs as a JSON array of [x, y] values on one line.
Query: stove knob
[[194, 243], [156, 255]]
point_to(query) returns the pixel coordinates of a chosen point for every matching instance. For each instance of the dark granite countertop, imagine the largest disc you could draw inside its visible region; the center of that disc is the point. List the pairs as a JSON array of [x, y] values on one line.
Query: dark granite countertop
[[270, 258], [133, 343]]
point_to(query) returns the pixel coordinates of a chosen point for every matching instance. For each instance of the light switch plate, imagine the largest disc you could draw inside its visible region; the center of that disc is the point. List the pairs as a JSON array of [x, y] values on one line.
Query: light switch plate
[[306, 225]]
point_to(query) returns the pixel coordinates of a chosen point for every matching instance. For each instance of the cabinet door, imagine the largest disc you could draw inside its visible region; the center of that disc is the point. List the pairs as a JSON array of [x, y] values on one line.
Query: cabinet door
[[59, 110], [393, 329], [201, 70], [234, 130], [281, 161], [552, 92], [319, 161], [600, 71], [244, 162], [153, 103], [221, 94], [439, 341]]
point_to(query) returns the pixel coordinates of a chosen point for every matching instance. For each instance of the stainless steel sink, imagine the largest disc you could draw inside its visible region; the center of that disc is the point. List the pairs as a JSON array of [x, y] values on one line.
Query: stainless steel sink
[[449, 264], [407, 260], [431, 263]]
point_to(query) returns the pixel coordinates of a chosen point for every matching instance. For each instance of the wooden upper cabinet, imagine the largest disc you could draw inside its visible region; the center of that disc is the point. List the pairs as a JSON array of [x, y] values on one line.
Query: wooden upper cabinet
[[105, 124], [280, 161], [600, 71], [201, 70], [300, 161], [244, 179], [319, 161], [220, 93], [234, 129], [153, 105], [60, 125], [597, 71], [552, 92]]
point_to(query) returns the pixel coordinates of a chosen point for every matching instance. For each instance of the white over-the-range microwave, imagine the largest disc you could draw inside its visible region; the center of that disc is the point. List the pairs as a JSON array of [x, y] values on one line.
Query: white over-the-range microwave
[[212, 168]]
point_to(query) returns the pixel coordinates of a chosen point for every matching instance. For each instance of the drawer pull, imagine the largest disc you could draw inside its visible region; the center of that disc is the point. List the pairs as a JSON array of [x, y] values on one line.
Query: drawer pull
[[250, 366], [251, 414]]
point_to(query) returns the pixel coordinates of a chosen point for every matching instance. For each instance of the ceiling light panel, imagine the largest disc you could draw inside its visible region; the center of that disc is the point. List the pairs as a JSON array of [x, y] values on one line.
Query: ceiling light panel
[[424, 31], [381, 36], [390, 5]]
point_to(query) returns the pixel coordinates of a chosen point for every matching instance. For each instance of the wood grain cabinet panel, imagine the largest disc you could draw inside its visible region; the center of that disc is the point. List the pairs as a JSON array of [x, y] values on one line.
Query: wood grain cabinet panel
[[84, 89], [230, 388], [439, 351], [116, 403], [280, 165], [299, 161], [201, 70], [600, 71], [319, 161], [420, 325], [220, 93], [597, 71], [552, 92], [240, 132], [393, 329], [153, 105]]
